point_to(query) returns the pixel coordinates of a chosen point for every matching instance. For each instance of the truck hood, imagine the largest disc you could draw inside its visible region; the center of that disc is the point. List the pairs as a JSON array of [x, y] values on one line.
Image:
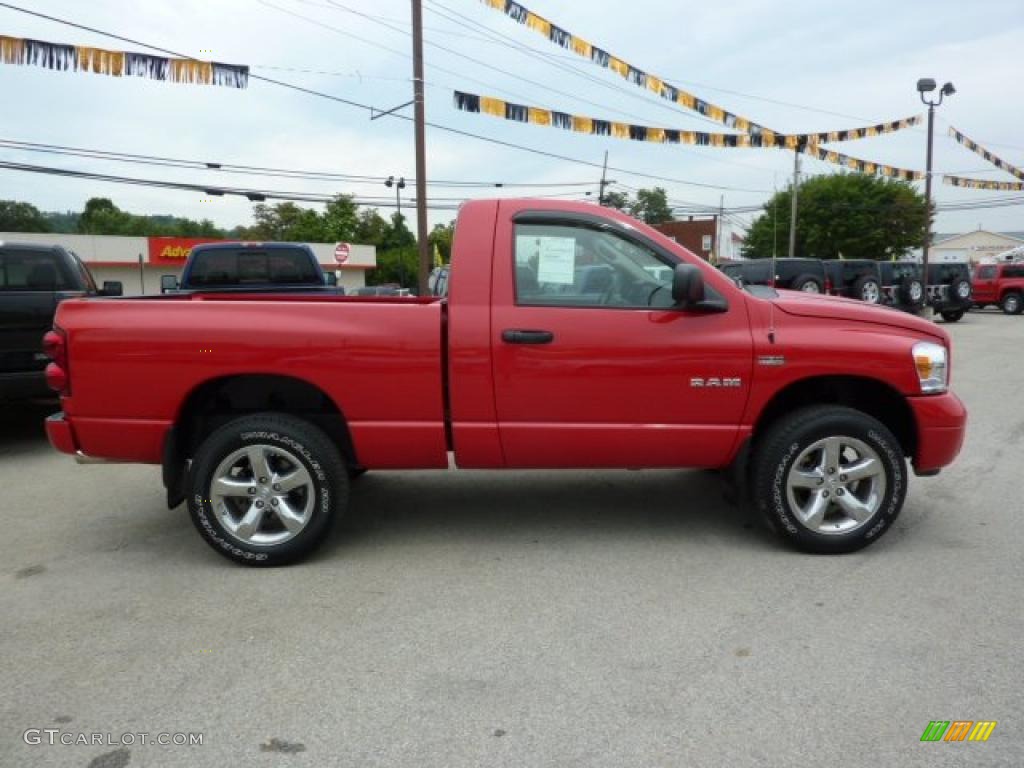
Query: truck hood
[[835, 308]]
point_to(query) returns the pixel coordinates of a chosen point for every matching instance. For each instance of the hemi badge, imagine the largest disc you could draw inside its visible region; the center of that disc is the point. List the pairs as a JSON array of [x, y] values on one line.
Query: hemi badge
[[771, 360]]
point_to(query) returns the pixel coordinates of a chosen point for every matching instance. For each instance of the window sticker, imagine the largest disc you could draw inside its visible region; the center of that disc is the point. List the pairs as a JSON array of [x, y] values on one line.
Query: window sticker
[[556, 260]]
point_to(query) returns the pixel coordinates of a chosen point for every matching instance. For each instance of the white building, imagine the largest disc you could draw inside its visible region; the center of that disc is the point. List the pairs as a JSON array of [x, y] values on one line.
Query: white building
[[138, 262], [973, 247]]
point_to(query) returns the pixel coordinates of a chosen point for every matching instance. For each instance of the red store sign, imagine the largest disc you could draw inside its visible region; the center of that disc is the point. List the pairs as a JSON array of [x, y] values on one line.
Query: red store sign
[[173, 251]]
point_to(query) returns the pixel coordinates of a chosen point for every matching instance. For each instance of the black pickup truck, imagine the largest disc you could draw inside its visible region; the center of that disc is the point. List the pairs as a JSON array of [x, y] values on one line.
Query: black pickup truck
[[251, 268], [34, 279]]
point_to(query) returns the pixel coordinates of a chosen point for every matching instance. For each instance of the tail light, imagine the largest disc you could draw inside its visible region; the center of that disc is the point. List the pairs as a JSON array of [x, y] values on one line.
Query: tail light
[[828, 285], [56, 348]]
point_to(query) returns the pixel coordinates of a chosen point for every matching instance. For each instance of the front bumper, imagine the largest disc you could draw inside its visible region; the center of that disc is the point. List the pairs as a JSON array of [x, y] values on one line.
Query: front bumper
[[941, 428]]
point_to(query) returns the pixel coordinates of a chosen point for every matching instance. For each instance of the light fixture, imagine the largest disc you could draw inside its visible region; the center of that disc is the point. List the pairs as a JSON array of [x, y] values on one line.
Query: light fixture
[[925, 85]]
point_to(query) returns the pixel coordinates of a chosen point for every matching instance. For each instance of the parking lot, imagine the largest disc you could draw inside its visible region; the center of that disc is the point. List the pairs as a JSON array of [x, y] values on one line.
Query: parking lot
[[522, 619]]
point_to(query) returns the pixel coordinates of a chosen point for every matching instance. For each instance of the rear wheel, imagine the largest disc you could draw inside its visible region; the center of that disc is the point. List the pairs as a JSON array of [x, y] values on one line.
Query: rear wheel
[[265, 489], [952, 317], [807, 284], [1011, 304], [829, 479], [868, 289]]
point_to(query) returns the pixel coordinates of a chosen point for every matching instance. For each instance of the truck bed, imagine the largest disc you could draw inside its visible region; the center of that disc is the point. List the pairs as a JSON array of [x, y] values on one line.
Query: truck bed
[[136, 362]]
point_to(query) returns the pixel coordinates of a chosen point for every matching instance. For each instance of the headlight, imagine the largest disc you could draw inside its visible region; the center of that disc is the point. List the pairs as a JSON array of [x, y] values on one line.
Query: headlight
[[932, 368]]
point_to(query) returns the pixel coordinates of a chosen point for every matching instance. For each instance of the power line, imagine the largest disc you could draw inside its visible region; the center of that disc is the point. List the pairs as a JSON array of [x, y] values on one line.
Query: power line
[[158, 160], [397, 116]]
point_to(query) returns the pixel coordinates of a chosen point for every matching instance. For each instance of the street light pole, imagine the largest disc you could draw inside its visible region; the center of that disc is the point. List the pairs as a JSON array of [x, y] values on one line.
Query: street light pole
[[927, 85]]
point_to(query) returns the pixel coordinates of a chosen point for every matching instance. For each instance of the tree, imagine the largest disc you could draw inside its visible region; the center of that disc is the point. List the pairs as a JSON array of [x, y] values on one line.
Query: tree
[[21, 217], [341, 218], [441, 237], [102, 217], [846, 215], [618, 200], [651, 206], [371, 227]]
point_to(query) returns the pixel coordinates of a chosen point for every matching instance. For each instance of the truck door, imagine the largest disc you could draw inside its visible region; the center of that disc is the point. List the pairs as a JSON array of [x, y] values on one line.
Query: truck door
[[984, 287], [593, 365]]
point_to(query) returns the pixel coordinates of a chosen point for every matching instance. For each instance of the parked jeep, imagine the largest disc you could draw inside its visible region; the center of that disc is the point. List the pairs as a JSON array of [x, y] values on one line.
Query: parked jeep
[[805, 275], [855, 279], [902, 285], [999, 284], [949, 289]]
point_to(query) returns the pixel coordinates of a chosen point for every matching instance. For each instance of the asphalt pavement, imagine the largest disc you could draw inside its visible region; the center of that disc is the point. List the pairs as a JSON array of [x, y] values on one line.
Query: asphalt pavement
[[520, 619]]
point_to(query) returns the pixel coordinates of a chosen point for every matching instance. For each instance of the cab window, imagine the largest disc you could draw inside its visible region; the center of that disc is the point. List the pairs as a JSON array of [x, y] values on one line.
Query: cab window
[[987, 273], [569, 266]]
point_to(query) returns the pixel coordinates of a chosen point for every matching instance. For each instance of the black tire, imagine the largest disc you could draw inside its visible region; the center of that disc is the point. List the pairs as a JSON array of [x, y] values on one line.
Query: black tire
[[325, 496], [786, 440], [908, 288], [952, 316], [805, 282], [960, 291], [1012, 304], [866, 286]]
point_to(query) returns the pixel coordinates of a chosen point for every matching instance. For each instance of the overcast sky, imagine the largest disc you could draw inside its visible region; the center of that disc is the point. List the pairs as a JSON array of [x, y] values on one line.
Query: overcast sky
[[794, 66]]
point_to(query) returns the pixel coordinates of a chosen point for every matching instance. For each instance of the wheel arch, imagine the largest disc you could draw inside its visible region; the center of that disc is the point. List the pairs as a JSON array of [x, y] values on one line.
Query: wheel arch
[[871, 396], [219, 400]]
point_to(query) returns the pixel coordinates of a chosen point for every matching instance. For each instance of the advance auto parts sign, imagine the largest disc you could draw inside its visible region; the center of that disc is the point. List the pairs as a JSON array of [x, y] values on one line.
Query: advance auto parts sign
[[174, 251]]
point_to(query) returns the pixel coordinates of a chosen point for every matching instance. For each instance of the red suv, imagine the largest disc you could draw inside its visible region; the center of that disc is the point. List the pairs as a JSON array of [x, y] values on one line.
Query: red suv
[[1000, 284]]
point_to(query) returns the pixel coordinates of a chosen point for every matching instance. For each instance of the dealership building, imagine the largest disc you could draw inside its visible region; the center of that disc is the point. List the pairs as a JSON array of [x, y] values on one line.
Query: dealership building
[[974, 247], [138, 262]]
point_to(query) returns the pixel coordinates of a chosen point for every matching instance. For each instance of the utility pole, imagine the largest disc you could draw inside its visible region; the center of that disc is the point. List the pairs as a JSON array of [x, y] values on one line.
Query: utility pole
[[718, 231], [604, 181], [421, 150], [792, 210]]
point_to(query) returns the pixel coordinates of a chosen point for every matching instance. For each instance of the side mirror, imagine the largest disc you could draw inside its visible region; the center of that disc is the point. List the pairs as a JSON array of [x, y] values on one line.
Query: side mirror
[[330, 279], [168, 283], [687, 285], [112, 288]]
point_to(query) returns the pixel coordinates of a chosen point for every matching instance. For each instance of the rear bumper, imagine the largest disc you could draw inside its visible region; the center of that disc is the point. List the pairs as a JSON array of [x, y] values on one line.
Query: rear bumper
[[60, 434], [941, 427], [22, 385]]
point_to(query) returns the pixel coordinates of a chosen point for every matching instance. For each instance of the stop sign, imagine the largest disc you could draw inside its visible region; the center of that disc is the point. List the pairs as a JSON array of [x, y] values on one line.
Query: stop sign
[[341, 252]]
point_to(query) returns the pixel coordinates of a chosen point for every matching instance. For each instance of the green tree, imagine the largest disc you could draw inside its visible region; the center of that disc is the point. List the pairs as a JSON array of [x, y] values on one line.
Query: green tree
[[441, 237], [341, 219], [854, 216], [102, 217], [617, 200], [651, 206], [371, 227], [21, 217]]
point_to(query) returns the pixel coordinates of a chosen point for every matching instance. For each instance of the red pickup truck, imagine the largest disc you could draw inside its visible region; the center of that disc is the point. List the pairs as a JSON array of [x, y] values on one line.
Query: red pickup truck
[[572, 336]]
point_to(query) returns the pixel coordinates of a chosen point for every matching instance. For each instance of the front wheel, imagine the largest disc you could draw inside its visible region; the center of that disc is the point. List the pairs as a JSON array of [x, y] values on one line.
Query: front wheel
[[1012, 304], [829, 479], [266, 488], [953, 316]]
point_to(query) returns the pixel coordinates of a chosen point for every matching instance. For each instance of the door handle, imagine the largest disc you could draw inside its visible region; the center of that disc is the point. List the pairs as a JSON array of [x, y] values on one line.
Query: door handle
[[514, 336]]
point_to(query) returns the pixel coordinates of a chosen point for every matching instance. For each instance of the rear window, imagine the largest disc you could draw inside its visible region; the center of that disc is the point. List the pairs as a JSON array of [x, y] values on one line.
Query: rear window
[[32, 271], [253, 266]]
